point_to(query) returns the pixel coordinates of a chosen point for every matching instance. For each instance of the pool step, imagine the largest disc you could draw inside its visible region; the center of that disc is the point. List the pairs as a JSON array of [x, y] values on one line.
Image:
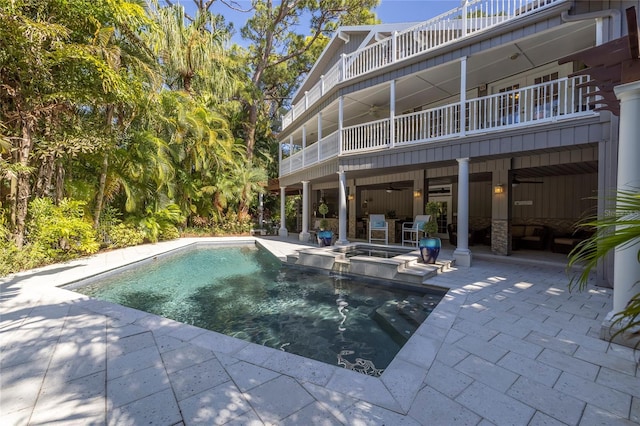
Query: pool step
[[402, 319]]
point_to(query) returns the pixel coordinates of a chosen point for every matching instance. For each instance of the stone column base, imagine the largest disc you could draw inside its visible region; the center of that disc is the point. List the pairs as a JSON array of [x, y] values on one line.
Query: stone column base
[[462, 257], [283, 232], [304, 236], [608, 329], [342, 242]]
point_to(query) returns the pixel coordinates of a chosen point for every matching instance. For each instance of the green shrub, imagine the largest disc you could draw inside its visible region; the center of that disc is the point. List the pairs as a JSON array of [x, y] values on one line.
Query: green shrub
[[169, 233], [14, 260], [123, 235], [61, 230], [157, 223]]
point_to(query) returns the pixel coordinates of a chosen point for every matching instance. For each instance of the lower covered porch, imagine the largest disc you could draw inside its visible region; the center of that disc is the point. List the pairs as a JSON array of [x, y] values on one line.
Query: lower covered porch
[[500, 206]]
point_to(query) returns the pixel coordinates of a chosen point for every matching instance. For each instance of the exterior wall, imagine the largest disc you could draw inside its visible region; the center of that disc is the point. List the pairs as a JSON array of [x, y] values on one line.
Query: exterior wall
[[355, 42]]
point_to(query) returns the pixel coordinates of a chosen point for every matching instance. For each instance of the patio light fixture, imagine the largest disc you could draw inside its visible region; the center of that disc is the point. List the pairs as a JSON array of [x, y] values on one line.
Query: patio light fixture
[[417, 193], [498, 189]]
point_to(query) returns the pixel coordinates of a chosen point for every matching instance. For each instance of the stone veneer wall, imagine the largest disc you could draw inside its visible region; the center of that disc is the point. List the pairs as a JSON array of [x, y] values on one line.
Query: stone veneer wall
[[500, 237]]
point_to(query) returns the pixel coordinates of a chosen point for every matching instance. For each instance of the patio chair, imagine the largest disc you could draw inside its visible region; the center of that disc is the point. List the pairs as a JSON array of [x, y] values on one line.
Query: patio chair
[[411, 230], [378, 224]]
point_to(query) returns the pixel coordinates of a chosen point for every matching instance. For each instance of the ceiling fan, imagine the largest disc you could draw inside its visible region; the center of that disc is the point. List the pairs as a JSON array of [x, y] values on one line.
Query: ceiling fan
[[374, 111], [515, 181], [390, 189]]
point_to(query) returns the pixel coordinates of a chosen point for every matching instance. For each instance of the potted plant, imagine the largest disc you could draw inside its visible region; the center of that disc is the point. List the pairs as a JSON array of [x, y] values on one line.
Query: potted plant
[[325, 236], [430, 245]]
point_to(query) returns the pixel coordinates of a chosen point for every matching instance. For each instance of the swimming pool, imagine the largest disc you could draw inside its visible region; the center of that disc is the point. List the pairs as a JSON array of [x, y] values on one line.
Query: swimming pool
[[245, 292]]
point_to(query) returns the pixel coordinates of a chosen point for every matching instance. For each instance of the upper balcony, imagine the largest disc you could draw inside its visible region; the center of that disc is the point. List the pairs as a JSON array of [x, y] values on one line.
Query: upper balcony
[[538, 104], [472, 17]]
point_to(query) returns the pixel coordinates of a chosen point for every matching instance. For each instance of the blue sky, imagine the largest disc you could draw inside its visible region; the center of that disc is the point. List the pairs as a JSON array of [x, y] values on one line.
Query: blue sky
[[389, 11]]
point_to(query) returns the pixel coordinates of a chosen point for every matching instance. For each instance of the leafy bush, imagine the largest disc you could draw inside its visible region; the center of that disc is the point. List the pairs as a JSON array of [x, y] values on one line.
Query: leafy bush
[[123, 235], [232, 225], [169, 233], [158, 223], [61, 230]]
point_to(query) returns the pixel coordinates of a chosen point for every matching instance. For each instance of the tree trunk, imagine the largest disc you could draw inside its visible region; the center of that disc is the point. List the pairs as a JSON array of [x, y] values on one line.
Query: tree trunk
[[101, 188], [59, 182], [103, 173], [45, 175], [23, 180], [250, 130]]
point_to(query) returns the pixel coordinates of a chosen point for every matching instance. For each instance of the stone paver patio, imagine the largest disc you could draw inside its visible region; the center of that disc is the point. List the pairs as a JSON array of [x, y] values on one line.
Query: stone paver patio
[[509, 345]]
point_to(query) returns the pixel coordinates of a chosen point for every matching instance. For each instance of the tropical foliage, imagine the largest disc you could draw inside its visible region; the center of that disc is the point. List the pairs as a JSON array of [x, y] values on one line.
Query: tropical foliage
[[613, 231], [127, 121]]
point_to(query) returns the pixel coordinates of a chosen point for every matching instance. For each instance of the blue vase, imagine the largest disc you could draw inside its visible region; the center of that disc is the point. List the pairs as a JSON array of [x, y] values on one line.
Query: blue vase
[[429, 249], [324, 238]]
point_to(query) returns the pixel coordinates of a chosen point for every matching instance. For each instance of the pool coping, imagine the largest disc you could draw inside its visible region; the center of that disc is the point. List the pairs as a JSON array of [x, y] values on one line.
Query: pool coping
[[395, 389]]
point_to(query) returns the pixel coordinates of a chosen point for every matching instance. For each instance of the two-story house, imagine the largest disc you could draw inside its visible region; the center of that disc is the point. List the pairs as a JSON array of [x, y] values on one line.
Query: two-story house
[[471, 109]]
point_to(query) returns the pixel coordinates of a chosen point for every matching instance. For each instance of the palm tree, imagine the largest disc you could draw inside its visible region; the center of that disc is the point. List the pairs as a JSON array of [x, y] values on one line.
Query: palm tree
[[193, 53], [612, 232]]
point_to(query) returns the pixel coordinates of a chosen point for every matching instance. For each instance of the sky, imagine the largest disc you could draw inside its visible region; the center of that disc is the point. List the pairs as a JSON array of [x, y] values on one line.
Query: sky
[[389, 11]]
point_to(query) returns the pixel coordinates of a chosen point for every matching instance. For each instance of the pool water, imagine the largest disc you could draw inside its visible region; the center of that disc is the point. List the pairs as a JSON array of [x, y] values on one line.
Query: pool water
[[245, 292]]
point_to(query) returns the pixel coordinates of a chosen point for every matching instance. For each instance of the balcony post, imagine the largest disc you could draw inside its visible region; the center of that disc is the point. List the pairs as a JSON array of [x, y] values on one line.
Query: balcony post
[[462, 254], [342, 212], [322, 85], [283, 214], [306, 100], [304, 234], [465, 18], [290, 153], [392, 113], [340, 118], [394, 46], [304, 141], [343, 67], [319, 133], [463, 95]]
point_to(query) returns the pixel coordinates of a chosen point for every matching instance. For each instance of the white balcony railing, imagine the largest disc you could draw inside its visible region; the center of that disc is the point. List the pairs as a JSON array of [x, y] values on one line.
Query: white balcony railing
[[326, 149], [372, 135], [431, 124], [562, 99], [471, 17]]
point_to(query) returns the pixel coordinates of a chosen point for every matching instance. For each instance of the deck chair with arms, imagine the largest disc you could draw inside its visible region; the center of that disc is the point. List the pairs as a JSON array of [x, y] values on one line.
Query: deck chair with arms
[[378, 224], [411, 230]]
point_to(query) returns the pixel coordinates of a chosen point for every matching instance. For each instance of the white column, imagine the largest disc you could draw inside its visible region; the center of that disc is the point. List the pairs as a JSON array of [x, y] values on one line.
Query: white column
[[340, 120], [462, 254], [463, 93], [304, 141], [290, 153], [394, 46], [304, 235], [342, 212], [626, 268], [319, 133], [392, 113], [283, 214]]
